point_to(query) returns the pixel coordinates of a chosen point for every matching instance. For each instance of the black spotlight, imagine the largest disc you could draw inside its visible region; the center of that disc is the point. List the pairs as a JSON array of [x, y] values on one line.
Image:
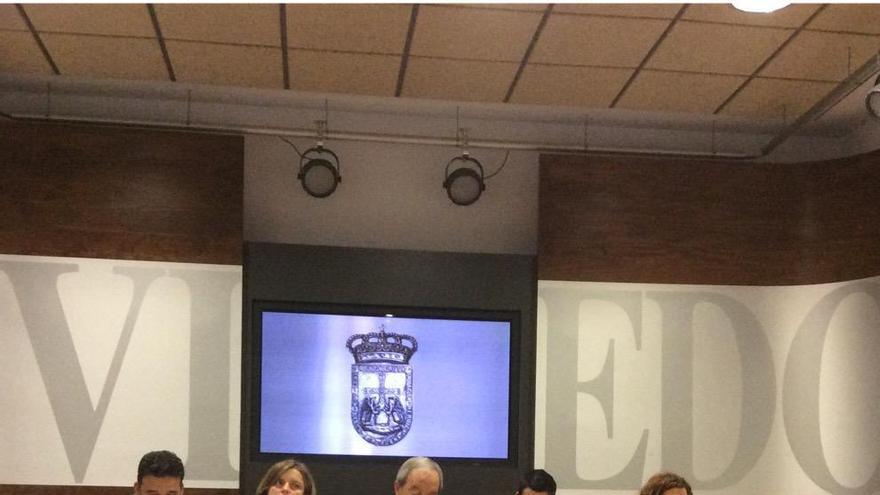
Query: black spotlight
[[319, 172], [872, 101], [465, 184]]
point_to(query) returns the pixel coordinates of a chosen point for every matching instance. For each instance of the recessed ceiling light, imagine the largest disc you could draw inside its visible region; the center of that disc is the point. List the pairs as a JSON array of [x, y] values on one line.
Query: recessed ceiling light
[[760, 6]]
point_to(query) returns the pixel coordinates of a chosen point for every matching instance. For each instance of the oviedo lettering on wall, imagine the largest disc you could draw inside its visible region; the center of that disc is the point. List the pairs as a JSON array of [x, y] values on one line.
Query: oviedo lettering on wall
[[126, 356], [740, 389], [794, 370]]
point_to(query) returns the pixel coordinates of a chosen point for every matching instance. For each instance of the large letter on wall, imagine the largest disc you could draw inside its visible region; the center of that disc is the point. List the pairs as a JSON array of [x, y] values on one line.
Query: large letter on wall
[[758, 385], [35, 286], [208, 457], [562, 351], [800, 401]]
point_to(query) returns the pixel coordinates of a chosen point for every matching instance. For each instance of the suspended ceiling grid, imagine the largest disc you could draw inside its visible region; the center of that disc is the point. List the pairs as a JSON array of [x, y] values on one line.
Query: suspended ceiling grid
[[706, 59]]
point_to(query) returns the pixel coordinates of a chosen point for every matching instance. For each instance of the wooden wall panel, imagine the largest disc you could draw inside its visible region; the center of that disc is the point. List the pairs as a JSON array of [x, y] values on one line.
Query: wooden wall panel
[[118, 193], [664, 220]]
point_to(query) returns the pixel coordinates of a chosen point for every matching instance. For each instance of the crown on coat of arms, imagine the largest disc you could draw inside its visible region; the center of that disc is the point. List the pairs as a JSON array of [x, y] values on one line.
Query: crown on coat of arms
[[382, 347]]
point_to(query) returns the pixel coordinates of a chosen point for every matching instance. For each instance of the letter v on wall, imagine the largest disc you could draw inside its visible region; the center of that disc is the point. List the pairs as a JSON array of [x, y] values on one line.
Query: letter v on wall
[[35, 287]]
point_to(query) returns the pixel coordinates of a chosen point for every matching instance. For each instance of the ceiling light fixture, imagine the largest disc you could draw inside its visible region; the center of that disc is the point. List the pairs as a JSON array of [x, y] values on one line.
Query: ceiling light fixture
[[318, 166], [872, 101], [319, 171], [467, 182], [760, 6]]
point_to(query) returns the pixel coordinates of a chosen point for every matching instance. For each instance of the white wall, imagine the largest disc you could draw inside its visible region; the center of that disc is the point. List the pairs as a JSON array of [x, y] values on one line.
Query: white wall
[[391, 196], [104, 360], [741, 390]]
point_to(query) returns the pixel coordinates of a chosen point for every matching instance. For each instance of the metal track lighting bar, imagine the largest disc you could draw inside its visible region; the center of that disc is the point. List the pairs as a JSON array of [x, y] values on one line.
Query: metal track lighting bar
[[381, 138], [841, 91]]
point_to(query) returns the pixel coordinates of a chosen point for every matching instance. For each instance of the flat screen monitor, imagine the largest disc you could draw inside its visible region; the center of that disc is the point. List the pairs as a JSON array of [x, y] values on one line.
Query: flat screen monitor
[[342, 380]]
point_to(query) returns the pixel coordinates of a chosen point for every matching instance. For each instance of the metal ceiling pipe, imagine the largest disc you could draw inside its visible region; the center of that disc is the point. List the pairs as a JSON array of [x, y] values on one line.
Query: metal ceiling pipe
[[381, 138], [841, 91]]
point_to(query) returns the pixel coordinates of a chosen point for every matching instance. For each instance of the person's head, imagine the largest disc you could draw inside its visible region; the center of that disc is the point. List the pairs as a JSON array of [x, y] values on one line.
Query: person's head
[[159, 473], [287, 477], [666, 484], [418, 476], [536, 482]]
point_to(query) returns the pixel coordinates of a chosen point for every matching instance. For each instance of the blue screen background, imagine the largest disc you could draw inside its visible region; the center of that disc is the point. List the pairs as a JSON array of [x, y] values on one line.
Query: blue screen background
[[460, 386]]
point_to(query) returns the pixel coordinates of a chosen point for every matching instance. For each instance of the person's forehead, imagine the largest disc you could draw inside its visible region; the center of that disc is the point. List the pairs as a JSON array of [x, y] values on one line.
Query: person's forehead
[[529, 491], [292, 474], [163, 481], [423, 474]]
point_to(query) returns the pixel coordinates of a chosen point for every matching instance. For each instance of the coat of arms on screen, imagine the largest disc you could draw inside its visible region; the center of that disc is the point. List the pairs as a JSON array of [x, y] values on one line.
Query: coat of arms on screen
[[381, 385]]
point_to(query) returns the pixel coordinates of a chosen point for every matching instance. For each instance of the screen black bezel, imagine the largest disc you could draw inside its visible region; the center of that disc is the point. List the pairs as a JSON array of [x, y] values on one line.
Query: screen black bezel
[[260, 306]]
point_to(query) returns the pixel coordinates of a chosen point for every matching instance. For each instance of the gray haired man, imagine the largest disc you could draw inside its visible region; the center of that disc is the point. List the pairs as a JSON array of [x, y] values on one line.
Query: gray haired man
[[418, 476]]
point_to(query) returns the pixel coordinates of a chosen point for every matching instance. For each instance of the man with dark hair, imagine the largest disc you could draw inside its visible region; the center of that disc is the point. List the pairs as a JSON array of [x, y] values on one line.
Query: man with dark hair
[[666, 484], [159, 473], [536, 482]]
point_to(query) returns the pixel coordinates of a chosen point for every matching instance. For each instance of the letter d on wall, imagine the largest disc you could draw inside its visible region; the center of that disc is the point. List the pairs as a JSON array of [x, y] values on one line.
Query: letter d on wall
[[758, 385]]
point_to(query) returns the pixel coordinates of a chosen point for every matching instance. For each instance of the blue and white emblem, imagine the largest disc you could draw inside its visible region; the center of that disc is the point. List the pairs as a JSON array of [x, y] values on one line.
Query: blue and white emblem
[[381, 385]]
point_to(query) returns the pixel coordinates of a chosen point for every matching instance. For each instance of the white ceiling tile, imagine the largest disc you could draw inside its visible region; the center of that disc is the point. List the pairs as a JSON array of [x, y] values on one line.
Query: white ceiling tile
[[334, 72], [858, 18], [779, 100], [496, 35], [244, 24], [458, 80], [20, 54], [717, 48], [823, 56], [11, 19], [678, 92], [584, 40], [226, 65], [648, 11], [101, 56], [348, 27], [590, 87], [792, 16], [108, 19]]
